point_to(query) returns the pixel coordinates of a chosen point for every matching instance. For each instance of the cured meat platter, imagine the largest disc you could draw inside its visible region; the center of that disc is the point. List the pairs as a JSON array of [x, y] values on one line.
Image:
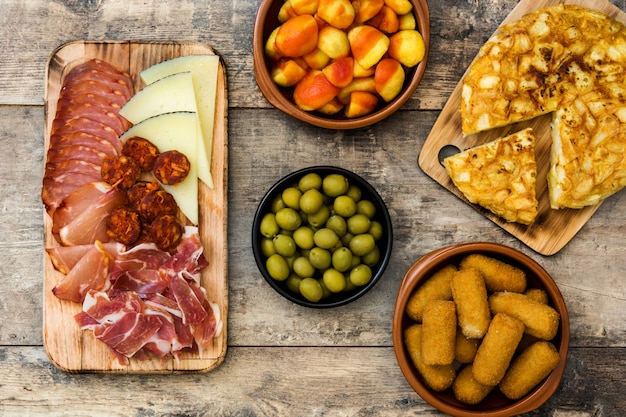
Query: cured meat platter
[[552, 229], [74, 350]]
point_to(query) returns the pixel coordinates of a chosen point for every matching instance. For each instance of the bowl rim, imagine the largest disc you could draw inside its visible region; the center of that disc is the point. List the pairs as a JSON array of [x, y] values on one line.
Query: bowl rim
[[538, 395], [275, 97], [384, 251]]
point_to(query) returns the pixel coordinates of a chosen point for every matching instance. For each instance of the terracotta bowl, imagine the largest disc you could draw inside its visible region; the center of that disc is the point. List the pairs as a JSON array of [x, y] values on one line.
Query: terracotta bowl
[[495, 404], [281, 98], [384, 244]]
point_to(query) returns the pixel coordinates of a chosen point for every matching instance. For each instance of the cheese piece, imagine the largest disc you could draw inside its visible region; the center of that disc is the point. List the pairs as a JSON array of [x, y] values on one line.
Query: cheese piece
[[169, 94], [177, 131], [204, 72]]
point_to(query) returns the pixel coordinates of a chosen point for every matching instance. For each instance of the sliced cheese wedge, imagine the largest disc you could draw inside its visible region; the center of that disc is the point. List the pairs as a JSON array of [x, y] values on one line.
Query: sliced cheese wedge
[[204, 71], [179, 131], [169, 94]]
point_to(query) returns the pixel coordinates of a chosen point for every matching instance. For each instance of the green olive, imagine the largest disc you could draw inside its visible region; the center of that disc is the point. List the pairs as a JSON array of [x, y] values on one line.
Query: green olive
[[344, 206], [309, 181], [277, 267], [372, 257], [284, 245], [303, 267], [354, 192], [366, 207], [376, 230], [311, 289], [342, 259], [277, 204], [325, 238], [268, 227], [320, 258], [335, 185], [293, 283], [291, 197], [267, 247], [303, 236], [319, 218], [325, 291], [360, 275], [362, 244], [288, 219], [311, 201], [337, 224], [334, 280], [358, 224]]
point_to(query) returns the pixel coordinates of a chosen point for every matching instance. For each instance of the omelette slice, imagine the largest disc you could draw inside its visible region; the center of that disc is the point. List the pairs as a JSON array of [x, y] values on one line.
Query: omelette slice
[[499, 176]]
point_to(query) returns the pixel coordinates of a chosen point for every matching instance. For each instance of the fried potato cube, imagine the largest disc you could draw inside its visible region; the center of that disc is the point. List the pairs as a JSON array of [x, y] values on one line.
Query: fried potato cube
[[439, 332], [528, 369], [497, 349], [437, 377], [470, 296], [498, 275], [437, 287]]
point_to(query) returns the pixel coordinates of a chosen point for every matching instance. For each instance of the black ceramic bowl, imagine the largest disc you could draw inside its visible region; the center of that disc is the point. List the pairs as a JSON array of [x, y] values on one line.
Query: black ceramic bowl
[[384, 244]]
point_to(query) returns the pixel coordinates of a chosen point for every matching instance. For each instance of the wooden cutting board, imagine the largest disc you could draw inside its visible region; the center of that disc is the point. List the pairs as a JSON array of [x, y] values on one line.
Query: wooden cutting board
[[73, 350], [553, 229]]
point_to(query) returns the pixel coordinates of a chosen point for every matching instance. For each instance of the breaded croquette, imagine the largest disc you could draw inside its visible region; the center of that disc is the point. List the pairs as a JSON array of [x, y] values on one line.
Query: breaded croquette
[[467, 390], [470, 296], [498, 275], [537, 294], [528, 369], [465, 348], [497, 349], [540, 320], [437, 287], [437, 377], [439, 332]]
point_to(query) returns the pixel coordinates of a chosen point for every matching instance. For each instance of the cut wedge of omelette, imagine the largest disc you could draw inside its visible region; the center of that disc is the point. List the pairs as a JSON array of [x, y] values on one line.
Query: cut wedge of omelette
[[499, 175], [569, 61]]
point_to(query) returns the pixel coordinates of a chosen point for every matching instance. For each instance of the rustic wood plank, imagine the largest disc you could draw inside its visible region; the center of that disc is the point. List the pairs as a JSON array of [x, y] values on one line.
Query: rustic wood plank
[[260, 382]]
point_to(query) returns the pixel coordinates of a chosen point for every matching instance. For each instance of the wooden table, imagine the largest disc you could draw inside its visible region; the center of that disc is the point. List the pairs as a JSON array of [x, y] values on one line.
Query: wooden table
[[283, 360]]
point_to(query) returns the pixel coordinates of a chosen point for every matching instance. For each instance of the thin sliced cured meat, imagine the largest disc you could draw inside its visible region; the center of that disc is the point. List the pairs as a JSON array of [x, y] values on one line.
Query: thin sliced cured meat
[[85, 125], [64, 258], [80, 152], [93, 112], [91, 272], [74, 167], [64, 103], [90, 225], [76, 203], [205, 331], [188, 255], [56, 189], [60, 141], [101, 72], [112, 95], [188, 302]]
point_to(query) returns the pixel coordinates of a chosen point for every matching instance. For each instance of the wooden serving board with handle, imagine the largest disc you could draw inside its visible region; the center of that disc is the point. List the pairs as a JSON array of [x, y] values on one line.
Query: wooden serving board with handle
[[552, 229], [73, 350]]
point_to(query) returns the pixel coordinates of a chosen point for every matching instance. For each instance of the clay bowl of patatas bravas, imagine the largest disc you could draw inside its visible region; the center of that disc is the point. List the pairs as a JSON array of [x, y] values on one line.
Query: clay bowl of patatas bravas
[[267, 21], [318, 252], [495, 404]]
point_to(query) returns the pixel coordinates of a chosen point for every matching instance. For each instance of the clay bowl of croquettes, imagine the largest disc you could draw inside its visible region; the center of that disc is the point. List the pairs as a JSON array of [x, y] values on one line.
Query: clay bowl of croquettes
[[481, 329]]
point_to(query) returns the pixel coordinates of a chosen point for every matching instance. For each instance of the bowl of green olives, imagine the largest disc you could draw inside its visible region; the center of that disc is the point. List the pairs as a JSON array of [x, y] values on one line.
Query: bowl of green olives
[[322, 236]]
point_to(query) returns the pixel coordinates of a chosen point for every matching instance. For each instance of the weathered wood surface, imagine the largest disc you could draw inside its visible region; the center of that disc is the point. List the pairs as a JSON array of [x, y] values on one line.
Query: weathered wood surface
[[283, 360]]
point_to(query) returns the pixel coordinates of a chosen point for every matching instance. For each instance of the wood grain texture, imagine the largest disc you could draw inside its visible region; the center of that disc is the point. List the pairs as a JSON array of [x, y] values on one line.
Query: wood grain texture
[[283, 360], [552, 229], [74, 350]]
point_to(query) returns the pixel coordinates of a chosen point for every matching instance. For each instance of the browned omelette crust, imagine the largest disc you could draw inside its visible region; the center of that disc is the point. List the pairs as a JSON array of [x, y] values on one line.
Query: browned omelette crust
[[499, 175], [571, 61]]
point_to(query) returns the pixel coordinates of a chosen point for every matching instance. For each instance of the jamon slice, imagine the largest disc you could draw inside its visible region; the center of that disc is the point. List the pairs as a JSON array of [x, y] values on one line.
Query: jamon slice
[[65, 257], [91, 272], [90, 225], [187, 299]]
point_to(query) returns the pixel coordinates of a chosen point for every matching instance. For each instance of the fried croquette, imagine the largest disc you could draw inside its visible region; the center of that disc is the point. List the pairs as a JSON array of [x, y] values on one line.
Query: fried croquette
[[470, 296], [467, 389], [537, 294], [465, 348], [528, 369], [437, 377], [497, 349], [540, 320], [437, 287], [498, 275], [439, 332]]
